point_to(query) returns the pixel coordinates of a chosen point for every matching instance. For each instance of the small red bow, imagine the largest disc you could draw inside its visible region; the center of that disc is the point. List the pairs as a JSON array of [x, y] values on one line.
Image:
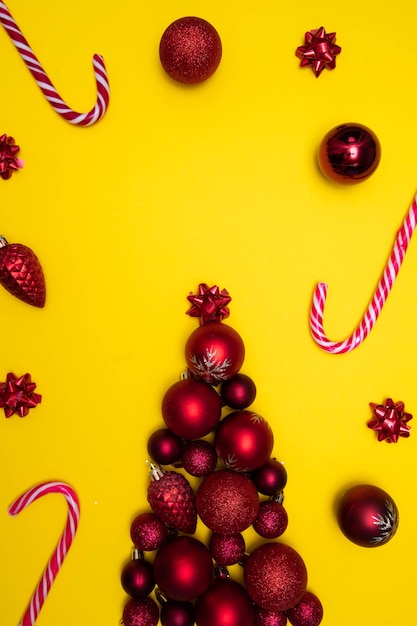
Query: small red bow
[[390, 421], [8, 161], [209, 304], [319, 50], [17, 395]]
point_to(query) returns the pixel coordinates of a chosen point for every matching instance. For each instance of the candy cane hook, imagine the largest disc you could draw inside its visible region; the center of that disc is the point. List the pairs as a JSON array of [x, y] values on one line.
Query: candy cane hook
[[44, 83], [375, 306], [55, 562]]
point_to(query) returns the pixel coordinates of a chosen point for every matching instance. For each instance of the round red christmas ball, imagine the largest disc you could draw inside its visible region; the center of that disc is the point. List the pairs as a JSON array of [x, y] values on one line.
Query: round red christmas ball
[[227, 502], [272, 520], [214, 352], [227, 549], [174, 613], [275, 576], [349, 153], [238, 392], [307, 612], [367, 515], [142, 612], [263, 617], [225, 603], [190, 50], [148, 532], [199, 458], [191, 408], [164, 447], [244, 441], [183, 568], [270, 478], [137, 578]]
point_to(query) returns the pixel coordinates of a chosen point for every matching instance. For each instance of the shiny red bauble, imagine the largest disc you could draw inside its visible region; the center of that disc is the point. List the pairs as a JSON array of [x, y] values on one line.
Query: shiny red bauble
[[244, 441], [183, 568], [270, 478], [137, 578], [263, 617], [225, 603], [227, 502], [238, 392], [308, 612], [164, 446], [272, 519], [148, 532], [199, 458], [142, 612], [214, 352], [191, 408], [227, 549], [172, 499], [275, 576], [349, 153], [190, 50], [367, 515], [175, 613]]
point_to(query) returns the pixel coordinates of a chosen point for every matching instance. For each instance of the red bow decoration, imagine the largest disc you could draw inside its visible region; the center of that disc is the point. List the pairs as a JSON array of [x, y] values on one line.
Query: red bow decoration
[[17, 395], [390, 421], [209, 304], [319, 50], [8, 161]]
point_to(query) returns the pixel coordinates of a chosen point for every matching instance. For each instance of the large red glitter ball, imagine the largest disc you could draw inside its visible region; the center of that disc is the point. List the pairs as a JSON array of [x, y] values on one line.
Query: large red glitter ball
[[367, 515], [272, 519], [263, 617], [148, 532], [238, 392], [137, 578], [349, 153], [142, 612], [227, 549], [270, 478], [183, 568], [227, 502], [307, 612], [190, 50], [244, 441], [191, 408], [225, 603], [164, 446], [275, 576], [214, 352]]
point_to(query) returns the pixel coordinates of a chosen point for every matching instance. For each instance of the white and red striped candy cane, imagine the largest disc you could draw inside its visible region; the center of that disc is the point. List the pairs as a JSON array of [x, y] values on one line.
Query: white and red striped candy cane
[[55, 562], [46, 86], [375, 306]]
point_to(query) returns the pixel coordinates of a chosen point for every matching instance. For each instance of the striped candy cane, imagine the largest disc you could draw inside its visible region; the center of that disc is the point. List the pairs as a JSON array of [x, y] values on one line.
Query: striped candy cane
[[381, 294], [45, 85], [57, 558]]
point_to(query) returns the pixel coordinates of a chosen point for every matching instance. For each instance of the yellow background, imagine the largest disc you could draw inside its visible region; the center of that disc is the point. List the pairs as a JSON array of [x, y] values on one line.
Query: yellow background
[[213, 183]]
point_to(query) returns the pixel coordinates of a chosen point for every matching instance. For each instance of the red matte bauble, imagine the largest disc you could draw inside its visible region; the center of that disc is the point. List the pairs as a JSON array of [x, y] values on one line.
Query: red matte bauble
[[214, 352], [137, 578], [183, 568], [190, 50], [238, 392], [225, 603], [272, 519], [270, 478], [164, 446], [367, 515], [199, 458], [148, 532], [275, 576], [263, 617], [349, 153], [191, 408], [175, 613], [227, 549], [307, 612], [244, 441], [227, 502], [142, 612]]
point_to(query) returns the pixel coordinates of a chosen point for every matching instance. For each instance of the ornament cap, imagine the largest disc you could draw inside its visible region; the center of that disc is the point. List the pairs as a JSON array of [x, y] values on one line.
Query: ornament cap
[[137, 555], [3, 242], [156, 472], [221, 572]]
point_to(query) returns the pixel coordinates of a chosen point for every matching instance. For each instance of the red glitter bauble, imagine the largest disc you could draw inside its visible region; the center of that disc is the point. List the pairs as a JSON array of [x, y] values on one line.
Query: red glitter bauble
[[190, 50], [225, 603], [272, 520], [349, 153], [275, 576], [227, 502], [148, 532], [164, 446], [238, 392], [227, 549], [199, 458], [367, 515], [307, 612], [244, 441], [175, 613], [137, 578], [191, 408], [270, 478], [214, 352], [142, 612], [183, 568], [263, 617]]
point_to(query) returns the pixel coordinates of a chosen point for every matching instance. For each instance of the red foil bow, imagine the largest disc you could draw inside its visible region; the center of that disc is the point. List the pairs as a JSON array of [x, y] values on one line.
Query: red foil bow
[[319, 51], [8, 161], [390, 421], [209, 304], [17, 395]]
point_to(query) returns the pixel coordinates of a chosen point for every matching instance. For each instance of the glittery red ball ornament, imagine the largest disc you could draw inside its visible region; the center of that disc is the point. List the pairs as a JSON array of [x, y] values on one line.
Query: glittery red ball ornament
[[191, 408], [270, 478], [137, 578], [142, 612], [244, 441], [227, 549], [214, 352], [21, 273], [238, 392], [307, 612], [227, 502], [148, 532], [275, 576], [175, 613], [190, 50], [172, 499], [183, 568], [225, 603], [367, 515], [349, 153], [164, 446], [199, 458], [263, 617], [272, 520]]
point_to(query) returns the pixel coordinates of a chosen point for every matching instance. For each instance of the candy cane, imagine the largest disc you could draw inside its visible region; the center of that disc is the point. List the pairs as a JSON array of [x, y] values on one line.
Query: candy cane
[[381, 294], [64, 544], [45, 85]]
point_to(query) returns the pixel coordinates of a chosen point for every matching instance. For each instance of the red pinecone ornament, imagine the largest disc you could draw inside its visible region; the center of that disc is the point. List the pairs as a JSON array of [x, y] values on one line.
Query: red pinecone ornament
[[172, 499], [21, 273]]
